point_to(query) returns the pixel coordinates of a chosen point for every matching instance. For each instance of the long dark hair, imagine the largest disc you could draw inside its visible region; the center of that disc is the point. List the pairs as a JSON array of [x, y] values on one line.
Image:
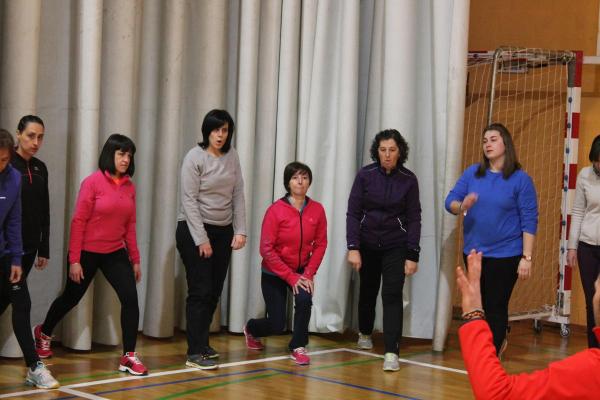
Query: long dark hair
[[511, 163]]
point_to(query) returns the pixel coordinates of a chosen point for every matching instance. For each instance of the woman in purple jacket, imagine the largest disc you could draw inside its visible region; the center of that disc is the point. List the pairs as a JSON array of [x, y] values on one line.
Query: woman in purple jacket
[[383, 229]]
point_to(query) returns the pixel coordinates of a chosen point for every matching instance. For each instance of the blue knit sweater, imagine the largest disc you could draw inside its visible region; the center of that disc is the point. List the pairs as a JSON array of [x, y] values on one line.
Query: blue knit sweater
[[505, 208]]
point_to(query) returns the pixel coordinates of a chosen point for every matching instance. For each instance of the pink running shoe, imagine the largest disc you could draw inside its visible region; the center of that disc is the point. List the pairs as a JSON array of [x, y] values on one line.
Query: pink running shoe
[[132, 364], [42, 343], [251, 342], [300, 355]]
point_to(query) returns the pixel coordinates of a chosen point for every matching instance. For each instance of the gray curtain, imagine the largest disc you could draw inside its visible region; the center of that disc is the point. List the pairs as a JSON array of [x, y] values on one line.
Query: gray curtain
[[311, 80]]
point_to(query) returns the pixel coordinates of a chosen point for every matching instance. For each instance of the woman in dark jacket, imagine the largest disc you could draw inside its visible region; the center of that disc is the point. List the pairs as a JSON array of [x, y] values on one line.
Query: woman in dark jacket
[[383, 229]]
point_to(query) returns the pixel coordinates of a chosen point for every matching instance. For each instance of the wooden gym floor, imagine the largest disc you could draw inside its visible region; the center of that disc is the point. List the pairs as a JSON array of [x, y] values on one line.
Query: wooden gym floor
[[337, 369]]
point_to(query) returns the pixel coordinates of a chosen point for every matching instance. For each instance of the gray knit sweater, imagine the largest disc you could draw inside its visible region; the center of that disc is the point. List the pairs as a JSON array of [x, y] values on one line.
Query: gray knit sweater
[[212, 192]]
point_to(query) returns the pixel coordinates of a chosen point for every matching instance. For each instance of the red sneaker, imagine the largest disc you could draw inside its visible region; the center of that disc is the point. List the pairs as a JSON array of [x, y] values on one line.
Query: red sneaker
[[300, 355], [132, 364], [42, 343], [251, 342]]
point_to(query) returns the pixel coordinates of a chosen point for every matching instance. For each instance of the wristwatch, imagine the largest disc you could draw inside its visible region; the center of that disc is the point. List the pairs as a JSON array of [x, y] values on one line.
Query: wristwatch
[[526, 258]]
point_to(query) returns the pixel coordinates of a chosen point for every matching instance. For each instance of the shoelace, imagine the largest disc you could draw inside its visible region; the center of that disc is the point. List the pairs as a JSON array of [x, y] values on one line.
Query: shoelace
[[133, 357], [43, 343], [301, 350]]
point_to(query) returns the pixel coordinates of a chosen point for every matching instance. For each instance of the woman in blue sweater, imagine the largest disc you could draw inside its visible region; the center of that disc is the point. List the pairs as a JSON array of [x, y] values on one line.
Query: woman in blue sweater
[[499, 204]]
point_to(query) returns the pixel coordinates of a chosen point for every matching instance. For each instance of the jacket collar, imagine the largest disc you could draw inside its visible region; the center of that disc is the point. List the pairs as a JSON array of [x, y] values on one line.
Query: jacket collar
[[125, 179]]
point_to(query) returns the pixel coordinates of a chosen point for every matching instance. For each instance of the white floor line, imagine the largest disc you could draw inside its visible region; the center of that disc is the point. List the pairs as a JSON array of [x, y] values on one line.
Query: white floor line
[[82, 394], [221, 366], [406, 361]]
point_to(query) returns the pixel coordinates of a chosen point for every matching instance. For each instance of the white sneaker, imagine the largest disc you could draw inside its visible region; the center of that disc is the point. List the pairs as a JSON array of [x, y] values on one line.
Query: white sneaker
[[41, 377], [364, 342], [390, 362]]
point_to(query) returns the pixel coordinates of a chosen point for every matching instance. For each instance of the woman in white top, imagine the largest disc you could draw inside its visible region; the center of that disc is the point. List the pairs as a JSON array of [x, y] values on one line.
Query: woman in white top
[[584, 235]]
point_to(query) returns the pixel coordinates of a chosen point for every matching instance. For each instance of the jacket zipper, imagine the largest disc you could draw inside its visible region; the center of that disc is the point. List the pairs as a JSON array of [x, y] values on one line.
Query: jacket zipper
[[400, 222], [301, 234], [29, 173], [362, 219]]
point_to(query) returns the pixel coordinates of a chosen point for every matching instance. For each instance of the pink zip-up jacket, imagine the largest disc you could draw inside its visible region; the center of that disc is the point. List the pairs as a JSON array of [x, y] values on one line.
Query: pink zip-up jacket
[[290, 240], [104, 218]]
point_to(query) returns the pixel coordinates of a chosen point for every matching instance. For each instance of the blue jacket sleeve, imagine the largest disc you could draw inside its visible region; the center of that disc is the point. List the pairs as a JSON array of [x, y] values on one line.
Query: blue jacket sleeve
[[460, 189], [354, 214], [527, 205]]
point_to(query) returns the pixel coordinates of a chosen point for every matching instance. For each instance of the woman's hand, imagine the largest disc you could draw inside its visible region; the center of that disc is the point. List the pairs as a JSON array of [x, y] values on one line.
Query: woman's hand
[[238, 242], [468, 202], [469, 282], [76, 272], [137, 272], [15, 273], [42, 262], [304, 283], [205, 250], [354, 259], [410, 267], [524, 269], [572, 257]]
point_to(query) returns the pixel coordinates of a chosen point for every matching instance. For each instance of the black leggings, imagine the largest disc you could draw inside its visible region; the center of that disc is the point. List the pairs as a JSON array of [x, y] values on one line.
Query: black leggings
[[17, 294], [588, 258], [498, 278], [118, 271], [386, 266], [205, 279], [275, 291]]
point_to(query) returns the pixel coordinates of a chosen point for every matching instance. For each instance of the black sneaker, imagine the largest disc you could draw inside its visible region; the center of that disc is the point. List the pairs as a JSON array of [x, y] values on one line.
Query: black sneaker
[[210, 352], [200, 361]]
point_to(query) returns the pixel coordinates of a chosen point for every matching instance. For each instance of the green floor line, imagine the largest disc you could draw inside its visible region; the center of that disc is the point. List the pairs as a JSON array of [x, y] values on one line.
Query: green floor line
[[220, 384]]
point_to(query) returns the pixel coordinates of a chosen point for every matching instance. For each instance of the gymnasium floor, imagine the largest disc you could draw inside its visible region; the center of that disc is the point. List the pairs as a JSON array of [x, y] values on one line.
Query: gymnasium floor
[[337, 370]]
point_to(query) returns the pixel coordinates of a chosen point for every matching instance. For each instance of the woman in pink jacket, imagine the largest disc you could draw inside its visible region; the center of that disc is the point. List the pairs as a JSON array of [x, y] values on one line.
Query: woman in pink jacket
[[103, 237], [292, 244]]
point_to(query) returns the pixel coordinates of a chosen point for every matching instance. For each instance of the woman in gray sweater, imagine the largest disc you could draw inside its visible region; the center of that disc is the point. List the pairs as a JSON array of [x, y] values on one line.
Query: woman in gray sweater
[[584, 234], [211, 223]]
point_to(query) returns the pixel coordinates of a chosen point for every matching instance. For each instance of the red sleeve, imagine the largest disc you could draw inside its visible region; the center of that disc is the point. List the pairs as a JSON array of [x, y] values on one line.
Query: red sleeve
[[575, 377], [319, 246], [131, 236], [83, 210], [271, 259], [596, 330]]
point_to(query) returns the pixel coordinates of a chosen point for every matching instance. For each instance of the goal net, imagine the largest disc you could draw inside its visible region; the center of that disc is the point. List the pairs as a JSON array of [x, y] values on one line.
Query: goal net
[[527, 90]]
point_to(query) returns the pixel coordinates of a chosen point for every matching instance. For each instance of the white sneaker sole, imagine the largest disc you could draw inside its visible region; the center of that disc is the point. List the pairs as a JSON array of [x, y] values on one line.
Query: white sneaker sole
[[29, 382], [123, 368], [363, 347], [194, 365]]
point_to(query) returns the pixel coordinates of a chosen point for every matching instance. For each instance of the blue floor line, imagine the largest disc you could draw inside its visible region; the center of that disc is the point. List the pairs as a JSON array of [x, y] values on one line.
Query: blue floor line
[[170, 382], [370, 389]]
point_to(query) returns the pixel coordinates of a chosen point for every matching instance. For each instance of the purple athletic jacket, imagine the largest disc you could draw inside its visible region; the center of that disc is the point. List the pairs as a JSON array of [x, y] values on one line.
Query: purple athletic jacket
[[384, 211], [10, 215]]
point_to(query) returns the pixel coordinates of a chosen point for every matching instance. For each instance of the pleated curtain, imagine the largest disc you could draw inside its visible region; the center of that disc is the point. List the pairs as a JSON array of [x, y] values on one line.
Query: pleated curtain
[[310, 80]]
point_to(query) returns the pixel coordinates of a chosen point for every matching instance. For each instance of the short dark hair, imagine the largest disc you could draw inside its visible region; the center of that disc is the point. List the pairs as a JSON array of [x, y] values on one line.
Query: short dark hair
[[511, 162], [400, 142], [7, 141], [116, 141], [26, 120], [291, 169], [215, 119], [595, 149]]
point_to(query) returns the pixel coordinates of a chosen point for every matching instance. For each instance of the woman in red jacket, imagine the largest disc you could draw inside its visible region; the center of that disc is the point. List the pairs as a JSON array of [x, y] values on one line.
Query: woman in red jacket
[[103, 237], [292, 244], [575, 377]]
